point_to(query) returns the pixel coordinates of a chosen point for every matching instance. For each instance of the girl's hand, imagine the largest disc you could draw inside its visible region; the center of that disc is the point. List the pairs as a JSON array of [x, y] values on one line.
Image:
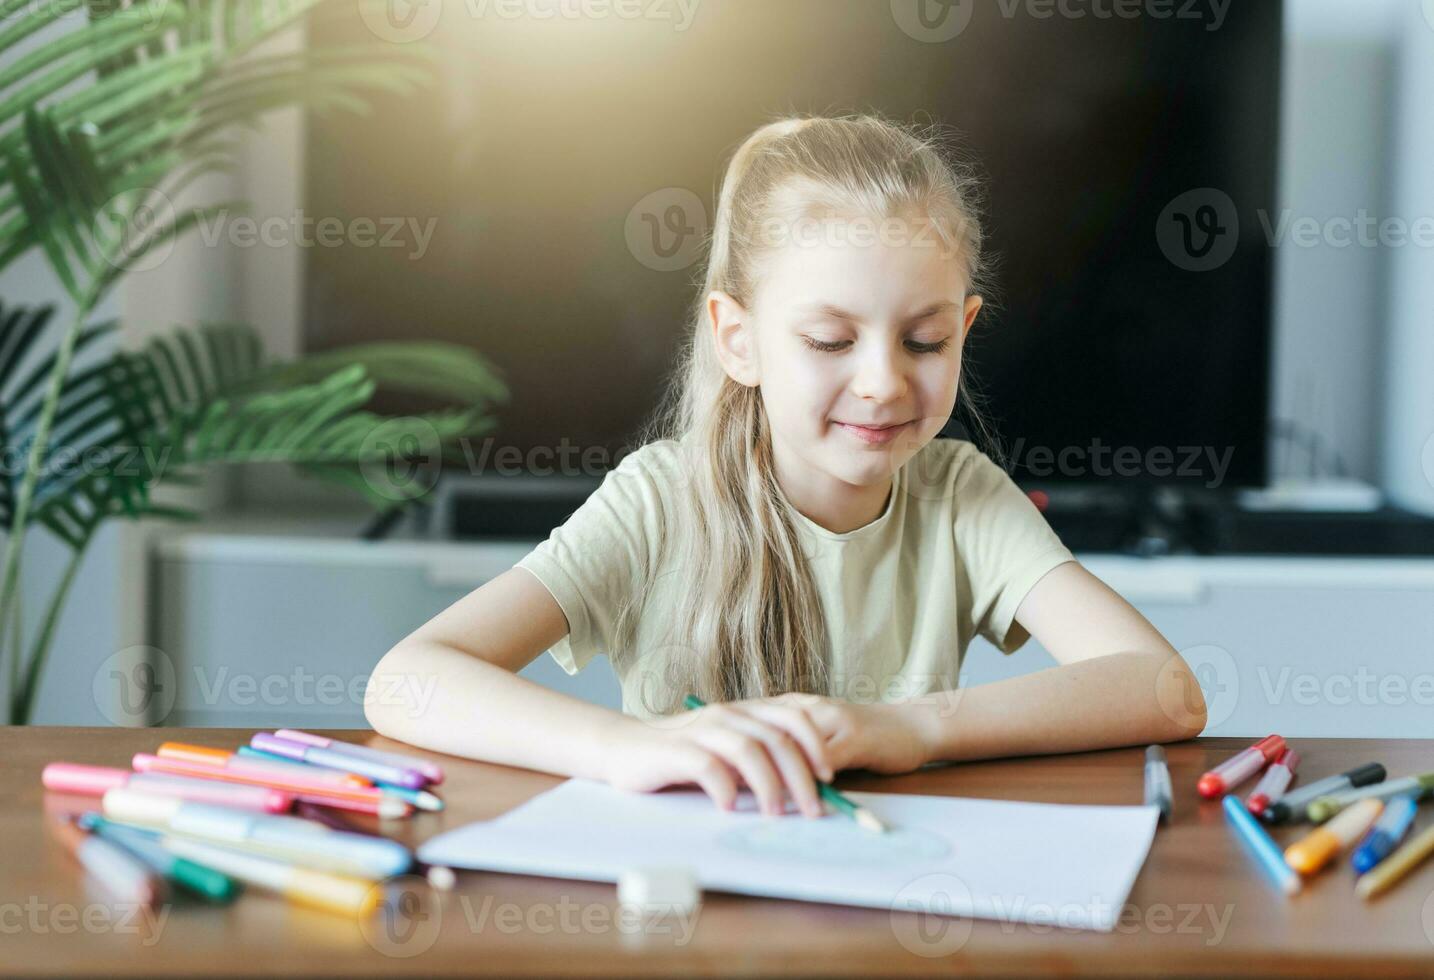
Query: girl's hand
[[773, 745]]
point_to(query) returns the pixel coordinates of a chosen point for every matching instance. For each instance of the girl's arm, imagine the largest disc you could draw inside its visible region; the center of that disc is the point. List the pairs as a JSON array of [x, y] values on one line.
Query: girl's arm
[[452, 686], [1119, 683]]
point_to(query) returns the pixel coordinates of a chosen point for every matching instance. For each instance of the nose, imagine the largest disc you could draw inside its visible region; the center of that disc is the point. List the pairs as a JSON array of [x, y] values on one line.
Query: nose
[[880, 375]]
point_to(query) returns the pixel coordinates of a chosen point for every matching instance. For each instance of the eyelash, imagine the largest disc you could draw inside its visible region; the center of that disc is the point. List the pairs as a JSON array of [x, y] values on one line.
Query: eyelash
[[832, 348]]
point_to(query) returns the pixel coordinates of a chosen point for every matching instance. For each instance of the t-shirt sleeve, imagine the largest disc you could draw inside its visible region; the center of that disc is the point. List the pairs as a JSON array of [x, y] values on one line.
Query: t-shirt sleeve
[[596, 558], [1005, 545]]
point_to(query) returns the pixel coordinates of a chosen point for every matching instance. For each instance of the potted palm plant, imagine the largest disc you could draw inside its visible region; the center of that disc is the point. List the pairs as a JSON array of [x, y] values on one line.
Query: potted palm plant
[[127, 106]]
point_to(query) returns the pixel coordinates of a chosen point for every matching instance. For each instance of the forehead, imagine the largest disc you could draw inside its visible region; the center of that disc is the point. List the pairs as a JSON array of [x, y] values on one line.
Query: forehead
[[870, 277]]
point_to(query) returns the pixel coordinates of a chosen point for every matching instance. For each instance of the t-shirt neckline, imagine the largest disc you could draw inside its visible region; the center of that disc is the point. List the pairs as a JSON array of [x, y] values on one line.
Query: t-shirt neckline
[[866, 529]]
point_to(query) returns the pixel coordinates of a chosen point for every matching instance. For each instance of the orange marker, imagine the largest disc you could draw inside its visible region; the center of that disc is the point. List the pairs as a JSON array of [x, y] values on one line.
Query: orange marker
[[1313, 851], [224, 759]]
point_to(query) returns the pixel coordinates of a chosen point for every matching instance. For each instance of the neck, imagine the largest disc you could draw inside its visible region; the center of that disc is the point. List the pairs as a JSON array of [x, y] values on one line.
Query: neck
[[833, 504]]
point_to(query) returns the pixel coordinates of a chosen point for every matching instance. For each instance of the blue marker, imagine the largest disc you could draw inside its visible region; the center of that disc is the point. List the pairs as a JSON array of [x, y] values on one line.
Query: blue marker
[[420, 798], [1387, 832], [1261, 846]]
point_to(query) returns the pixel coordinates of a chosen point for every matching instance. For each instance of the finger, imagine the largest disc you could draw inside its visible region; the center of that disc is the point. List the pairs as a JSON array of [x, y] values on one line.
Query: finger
[[790, 761], [749, 757], [794, 720], [713, 775]]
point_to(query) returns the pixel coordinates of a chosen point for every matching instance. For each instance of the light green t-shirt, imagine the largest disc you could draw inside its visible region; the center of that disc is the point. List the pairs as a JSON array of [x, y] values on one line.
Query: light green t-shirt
[[957, 548]]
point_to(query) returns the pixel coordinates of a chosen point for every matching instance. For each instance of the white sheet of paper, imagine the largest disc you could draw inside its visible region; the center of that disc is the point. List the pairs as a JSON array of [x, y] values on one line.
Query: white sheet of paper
[[1046, 863]]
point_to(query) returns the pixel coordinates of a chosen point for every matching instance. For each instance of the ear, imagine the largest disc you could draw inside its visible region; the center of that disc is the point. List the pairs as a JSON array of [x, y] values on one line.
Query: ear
[[973, 306], [732, 333]]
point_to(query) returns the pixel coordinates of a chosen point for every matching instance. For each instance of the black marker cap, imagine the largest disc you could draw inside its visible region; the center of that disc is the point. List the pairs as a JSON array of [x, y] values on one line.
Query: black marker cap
[[1276, 813], [1367, 774]]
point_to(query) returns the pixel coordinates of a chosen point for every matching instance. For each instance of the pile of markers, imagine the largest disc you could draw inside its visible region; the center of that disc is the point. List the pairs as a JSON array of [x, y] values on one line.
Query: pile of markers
[[1359, 811], [270, 815]]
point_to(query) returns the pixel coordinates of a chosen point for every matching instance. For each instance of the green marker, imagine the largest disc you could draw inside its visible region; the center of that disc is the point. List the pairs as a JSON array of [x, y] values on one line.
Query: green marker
[[864, 817], [196, 877]]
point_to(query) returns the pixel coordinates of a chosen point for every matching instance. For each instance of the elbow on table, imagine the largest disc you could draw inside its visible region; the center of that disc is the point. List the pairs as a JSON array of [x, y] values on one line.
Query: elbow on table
[[384, 701], [1182, 703]]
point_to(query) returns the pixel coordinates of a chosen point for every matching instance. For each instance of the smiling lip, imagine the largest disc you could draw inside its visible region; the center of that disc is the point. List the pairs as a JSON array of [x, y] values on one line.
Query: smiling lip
[[874, 435]]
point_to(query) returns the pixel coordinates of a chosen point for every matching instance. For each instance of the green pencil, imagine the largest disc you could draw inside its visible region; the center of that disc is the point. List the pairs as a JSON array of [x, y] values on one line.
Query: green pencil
[[864, 817]]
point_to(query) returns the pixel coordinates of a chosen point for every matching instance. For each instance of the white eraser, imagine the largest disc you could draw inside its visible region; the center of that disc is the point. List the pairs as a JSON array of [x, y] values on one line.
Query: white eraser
[[659, 888]]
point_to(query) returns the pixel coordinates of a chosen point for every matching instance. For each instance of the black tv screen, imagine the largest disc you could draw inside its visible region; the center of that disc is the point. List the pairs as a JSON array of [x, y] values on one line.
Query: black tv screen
[[1127, 163]]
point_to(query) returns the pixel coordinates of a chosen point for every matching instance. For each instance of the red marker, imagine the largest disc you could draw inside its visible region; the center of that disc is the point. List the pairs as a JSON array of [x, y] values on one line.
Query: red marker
[[1274, 782], [1240, 767]]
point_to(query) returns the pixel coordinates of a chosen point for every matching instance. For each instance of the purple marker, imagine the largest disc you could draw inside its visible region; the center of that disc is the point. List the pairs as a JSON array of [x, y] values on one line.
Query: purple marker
[[329, 759], [430, 771]]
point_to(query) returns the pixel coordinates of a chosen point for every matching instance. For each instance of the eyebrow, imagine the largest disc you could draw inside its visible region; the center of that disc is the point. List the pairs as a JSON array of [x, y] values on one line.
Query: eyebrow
[[836, 312]]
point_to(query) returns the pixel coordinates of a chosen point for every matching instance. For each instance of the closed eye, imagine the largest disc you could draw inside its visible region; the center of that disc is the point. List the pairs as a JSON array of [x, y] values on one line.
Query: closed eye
[[916, 347]]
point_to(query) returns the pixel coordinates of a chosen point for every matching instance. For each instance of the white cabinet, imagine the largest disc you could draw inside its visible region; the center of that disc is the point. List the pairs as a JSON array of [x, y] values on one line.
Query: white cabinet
[[270, 625]]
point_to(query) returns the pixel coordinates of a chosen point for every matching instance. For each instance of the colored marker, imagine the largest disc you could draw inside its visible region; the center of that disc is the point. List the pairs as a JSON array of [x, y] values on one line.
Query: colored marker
[[438, 876], [329, 759], [67, 777], [145, 846], [1313, 851], [1240, 767], [1274, 782], [286, 838], [120, 873], [1325, 807], [360, 800], [1261, 846], [420, 798], [224, 759], [1397, 865], [336, 893], [430, 770], [1157, 780], [1387, 832], [1292, 805]]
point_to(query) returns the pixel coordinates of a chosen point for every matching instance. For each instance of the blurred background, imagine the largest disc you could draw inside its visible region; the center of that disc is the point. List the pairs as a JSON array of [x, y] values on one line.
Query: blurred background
[[1208, 354]]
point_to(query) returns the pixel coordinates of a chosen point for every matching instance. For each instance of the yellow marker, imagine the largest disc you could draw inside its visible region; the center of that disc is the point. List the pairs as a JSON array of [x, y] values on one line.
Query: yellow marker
[[1313, 851], [1387, 872]]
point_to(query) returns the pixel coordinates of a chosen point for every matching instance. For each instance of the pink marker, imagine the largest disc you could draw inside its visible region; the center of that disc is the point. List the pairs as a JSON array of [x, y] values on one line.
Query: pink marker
[[430, 771], [68, 777], [1273, 783], [1240, 767]]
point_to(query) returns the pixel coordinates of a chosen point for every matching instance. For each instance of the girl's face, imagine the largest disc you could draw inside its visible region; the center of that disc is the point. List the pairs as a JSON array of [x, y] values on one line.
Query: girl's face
[[856, 344]]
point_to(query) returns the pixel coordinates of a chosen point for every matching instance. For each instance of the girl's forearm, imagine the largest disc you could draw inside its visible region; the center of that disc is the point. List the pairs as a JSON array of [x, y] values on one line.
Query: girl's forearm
[[440, 698], [1119, 699]]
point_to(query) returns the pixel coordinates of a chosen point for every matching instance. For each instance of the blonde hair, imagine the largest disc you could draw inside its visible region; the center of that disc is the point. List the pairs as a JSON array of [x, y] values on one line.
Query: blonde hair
[[749, 621]]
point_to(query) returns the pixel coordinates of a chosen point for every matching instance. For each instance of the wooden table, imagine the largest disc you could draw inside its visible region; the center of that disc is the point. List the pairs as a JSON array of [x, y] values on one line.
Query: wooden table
[[1199, 907]]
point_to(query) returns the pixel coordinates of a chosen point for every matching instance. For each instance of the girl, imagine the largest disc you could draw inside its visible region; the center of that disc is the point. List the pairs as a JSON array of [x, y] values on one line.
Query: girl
[[793, 544]]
